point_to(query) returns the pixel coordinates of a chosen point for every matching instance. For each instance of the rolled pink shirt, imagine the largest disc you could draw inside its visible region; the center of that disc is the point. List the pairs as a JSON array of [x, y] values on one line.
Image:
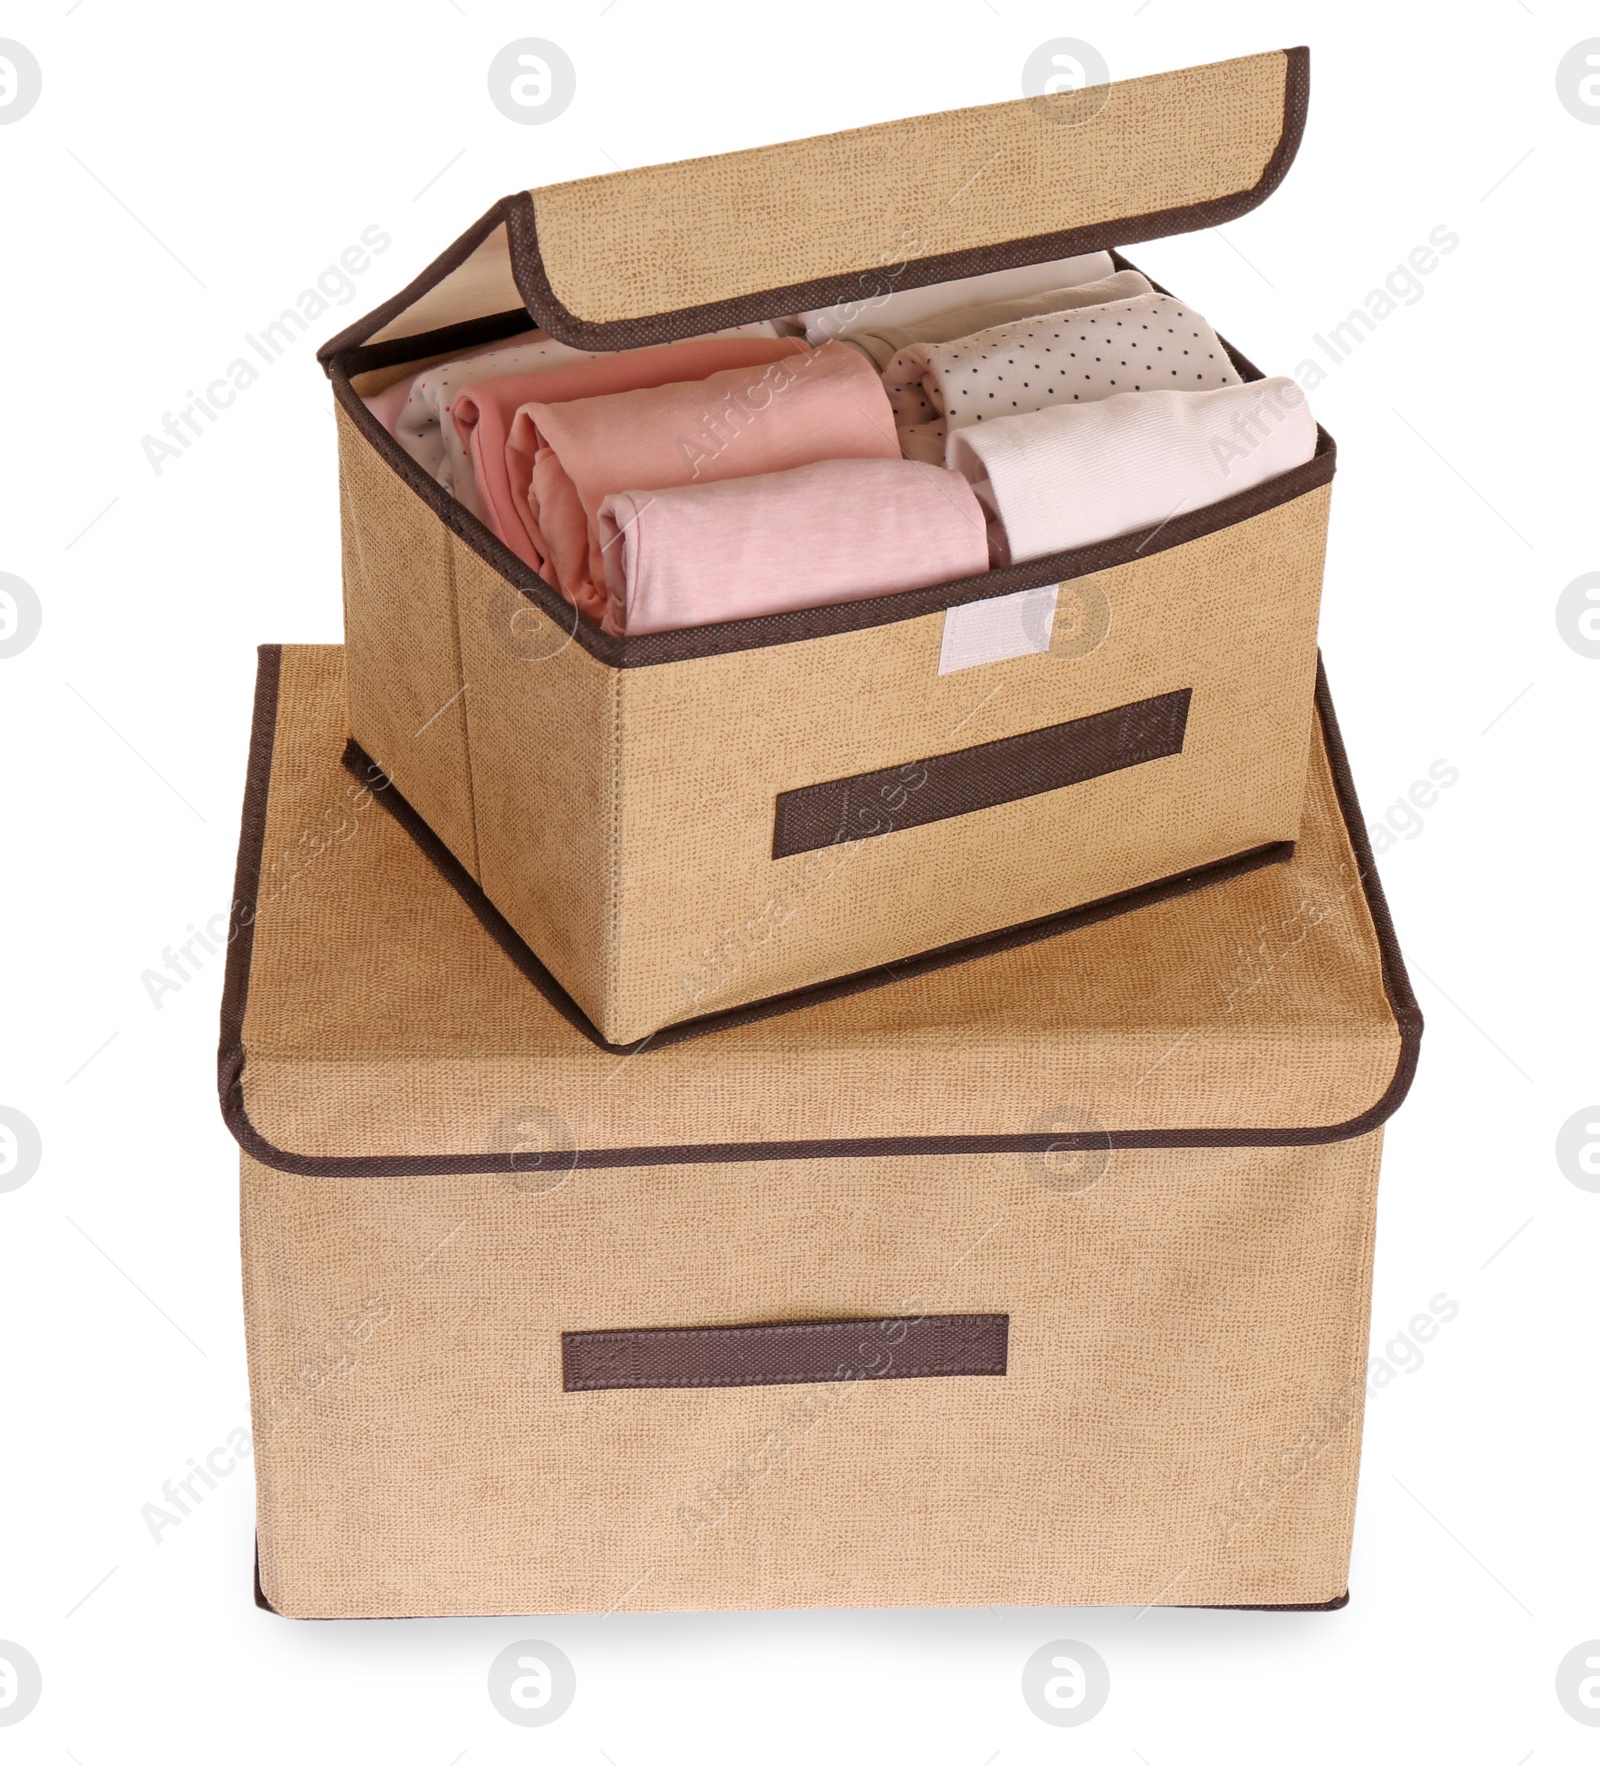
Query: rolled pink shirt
[[482, 413], [838, 530], [416, 411], [564, 459]]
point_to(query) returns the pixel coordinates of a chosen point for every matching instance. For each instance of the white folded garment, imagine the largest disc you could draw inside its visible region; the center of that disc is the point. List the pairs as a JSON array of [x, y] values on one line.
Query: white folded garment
[[881, 303], [1071, 475], [1150, 342], [883, 342]]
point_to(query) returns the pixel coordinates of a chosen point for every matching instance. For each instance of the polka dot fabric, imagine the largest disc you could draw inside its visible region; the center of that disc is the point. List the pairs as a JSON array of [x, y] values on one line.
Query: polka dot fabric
[[1151, 343]]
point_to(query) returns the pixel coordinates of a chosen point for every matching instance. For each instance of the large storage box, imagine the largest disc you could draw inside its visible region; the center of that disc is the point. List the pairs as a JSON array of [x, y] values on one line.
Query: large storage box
[[1058, 1259], [596, 787]]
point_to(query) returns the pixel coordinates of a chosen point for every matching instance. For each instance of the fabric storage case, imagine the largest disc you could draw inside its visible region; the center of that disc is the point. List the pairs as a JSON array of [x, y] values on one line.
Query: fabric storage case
[[681, 822], [1039, 1278]]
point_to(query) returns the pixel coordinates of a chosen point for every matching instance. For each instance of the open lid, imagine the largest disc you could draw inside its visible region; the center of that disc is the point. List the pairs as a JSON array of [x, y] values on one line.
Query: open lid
[[372, 1027], [661, 252]]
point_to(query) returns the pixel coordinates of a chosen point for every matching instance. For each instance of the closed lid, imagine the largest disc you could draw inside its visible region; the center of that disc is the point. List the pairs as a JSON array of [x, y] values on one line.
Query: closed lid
[[372, 1026]]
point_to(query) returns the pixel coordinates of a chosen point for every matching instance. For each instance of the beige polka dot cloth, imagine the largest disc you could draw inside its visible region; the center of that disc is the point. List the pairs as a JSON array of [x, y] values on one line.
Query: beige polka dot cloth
[[1149, 343]]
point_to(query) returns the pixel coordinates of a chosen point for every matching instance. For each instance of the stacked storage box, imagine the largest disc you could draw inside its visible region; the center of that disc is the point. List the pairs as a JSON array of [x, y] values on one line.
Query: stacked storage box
[[663, 1184]]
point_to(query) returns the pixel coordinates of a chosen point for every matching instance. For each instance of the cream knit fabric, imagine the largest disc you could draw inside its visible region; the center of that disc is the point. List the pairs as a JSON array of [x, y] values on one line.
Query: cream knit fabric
[[1074, 474], [415, 411]]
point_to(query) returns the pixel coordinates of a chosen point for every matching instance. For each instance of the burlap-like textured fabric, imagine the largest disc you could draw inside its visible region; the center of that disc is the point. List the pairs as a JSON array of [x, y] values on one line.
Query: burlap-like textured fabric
[[1255, 1003], [626, 245], [1179, 1419], [593, 809], [400, 626], [1232, 615], [1179, 1422], [593, 803], [542, 719]]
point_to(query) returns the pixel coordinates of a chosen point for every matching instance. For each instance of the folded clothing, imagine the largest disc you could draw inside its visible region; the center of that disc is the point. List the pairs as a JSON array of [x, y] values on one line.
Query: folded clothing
[[564, 459], [884, 304], [1072, 475], [883, 341], [482, 412], [1137, 345], [415, 410], [838, 530]]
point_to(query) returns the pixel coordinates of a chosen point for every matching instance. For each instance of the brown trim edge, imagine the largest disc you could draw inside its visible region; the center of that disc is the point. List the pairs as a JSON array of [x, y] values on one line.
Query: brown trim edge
[[533, 281], [450, 259], [652, 649], [262, 1602], [517, 214], [1337, 1604], [247, 888], [792, 1353], [943, 956], [266, 1606], [350, 354], [231, 1052]]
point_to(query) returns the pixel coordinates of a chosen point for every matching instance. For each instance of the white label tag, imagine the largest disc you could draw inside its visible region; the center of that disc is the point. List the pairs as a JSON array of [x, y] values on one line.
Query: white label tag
[[998, 629]]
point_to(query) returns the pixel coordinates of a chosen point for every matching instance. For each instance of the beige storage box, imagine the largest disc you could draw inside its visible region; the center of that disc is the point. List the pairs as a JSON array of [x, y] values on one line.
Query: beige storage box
[[1039, 1278], [683, 822]]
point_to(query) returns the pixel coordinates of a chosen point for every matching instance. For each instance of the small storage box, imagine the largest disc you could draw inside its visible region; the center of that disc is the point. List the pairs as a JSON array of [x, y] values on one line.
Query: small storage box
[[1040, 1278], [683, 822]]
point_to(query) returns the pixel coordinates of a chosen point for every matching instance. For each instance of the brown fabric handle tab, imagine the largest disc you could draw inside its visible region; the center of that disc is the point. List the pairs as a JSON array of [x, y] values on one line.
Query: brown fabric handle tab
[[822, 1350], [992, 773]]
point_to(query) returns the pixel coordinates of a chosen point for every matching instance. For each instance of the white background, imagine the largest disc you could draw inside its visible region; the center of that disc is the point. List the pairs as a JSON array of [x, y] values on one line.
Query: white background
[[187, 172]]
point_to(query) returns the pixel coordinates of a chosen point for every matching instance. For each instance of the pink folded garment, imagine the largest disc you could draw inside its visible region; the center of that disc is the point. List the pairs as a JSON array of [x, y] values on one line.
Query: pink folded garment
[[481, 414], [415, 411], [839, 530], [1071, 475], [564, 459]]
